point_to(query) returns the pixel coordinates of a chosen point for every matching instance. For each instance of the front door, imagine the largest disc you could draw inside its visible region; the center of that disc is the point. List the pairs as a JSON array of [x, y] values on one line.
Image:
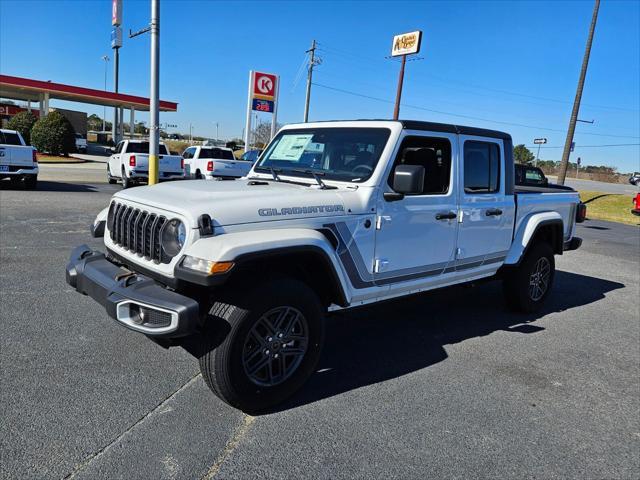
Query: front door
[[415, 236], [486, 209]]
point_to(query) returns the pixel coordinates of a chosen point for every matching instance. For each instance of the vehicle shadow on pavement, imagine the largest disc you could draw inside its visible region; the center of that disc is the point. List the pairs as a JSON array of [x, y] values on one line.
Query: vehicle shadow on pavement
[[45, 186], [371, 345]]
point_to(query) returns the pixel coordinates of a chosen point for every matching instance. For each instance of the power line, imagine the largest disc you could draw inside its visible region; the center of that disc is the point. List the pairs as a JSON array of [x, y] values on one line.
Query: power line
[[590, 146], [470, 117], [378, 62]]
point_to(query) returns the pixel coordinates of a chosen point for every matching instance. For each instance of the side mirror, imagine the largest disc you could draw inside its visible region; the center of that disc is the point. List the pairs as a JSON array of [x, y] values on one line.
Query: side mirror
[[408, 179], [112, 149]]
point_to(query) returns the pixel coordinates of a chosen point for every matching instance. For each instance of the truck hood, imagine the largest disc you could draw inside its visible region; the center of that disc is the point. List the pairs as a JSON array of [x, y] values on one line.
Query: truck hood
[[232, 202]]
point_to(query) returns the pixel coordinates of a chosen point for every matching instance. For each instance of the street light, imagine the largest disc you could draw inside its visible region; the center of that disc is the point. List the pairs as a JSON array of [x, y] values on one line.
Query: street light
[[104, 111]]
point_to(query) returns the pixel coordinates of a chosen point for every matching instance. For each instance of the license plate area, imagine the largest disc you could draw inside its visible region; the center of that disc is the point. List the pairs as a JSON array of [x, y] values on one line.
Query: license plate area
[[4, 168]]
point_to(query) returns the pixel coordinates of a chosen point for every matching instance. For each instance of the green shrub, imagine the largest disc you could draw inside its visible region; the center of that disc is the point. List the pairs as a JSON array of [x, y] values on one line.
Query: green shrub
[[54, 134], [23, 122]]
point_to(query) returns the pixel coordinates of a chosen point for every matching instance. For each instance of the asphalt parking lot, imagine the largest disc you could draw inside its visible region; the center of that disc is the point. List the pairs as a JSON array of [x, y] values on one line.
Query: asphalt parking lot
[[445, 385]]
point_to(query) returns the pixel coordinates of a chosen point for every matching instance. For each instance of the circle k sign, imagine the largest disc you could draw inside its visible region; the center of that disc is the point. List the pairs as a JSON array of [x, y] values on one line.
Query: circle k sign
[[264, 86]]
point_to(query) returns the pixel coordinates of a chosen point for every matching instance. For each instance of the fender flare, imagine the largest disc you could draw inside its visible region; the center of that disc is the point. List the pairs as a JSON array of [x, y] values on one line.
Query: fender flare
[[527, 230], [244, 247]]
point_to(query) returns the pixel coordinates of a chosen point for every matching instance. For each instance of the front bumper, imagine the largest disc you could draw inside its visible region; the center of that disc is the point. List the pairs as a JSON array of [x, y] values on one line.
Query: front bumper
[[134, 300]]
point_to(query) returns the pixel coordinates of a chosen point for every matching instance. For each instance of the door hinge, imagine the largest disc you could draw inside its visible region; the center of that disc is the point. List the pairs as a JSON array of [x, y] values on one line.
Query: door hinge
[[382, 219], [380, 265]]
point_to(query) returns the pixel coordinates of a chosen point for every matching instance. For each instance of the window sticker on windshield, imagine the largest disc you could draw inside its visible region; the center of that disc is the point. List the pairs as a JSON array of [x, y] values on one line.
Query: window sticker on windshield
[[290, 147]]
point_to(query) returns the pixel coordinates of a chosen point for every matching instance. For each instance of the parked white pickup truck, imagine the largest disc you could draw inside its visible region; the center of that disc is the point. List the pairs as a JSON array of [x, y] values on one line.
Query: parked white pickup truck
[[214, 162], [129, 163], [17, 159], [333, 215]]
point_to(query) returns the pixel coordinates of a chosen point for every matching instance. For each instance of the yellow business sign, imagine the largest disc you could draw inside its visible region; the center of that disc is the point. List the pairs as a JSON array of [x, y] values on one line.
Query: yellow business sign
[[406, 43]]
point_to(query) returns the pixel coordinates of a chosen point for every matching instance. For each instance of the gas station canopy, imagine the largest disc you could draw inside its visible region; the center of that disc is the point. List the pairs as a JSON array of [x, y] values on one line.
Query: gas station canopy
[[33, 90]]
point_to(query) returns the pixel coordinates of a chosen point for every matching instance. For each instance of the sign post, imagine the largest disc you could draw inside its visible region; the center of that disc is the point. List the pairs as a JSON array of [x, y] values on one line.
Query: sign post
[[116, 43], [538, 141], [261, 97], [403, 45]]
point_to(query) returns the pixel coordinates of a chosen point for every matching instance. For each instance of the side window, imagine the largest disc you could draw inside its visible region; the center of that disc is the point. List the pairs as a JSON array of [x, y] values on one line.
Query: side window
[[434, 154], [481, 167], [533, 175], [188, 153], [119, 147]]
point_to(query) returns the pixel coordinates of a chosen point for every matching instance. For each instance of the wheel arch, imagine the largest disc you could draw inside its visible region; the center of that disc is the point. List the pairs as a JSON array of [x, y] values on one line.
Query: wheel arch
[[538, 227]]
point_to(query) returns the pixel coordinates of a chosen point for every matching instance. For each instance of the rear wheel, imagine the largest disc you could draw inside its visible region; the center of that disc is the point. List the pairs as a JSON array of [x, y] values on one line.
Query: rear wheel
[[199, 175], [527, 287], [272, 345], [110, 178], [126, 181], [31, 182]]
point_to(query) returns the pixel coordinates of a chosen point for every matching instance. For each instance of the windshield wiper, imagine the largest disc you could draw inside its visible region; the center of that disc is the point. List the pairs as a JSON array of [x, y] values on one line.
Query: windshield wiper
[[316, 176]]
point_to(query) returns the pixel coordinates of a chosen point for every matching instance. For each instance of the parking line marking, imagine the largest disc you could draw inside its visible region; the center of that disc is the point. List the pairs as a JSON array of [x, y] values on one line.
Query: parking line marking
[[82, 465], [240, 432]]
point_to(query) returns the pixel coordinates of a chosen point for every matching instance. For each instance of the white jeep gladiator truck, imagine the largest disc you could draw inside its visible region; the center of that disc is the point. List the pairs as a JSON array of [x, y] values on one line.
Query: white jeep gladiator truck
[[334, 215], [129, 163], [17, 159], [214, 163]]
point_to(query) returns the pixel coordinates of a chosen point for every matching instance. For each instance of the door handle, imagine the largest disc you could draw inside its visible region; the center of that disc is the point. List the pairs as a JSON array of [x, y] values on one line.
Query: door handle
[[493, 212], [446, 215]]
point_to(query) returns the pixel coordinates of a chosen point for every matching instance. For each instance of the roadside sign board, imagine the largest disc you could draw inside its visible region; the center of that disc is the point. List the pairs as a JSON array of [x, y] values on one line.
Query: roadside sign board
[[116, 37], [264, 86], [406, 43], [260, 105], [116, 12], [540, 141]]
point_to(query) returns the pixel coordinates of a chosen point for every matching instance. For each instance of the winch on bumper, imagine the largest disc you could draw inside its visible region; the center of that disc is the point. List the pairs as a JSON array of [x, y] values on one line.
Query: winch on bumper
[[135, 300]]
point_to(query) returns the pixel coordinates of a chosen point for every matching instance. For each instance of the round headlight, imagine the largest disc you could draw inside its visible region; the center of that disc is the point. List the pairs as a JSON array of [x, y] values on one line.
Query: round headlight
[[174, 235]]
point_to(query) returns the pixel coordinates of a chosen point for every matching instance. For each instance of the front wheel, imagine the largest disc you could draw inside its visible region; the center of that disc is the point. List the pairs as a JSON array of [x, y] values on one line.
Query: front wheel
[[273, 336], [527, 286]]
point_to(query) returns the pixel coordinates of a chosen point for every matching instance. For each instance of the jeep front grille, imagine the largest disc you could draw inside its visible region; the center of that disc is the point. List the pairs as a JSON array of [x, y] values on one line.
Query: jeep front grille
[[138, 231]]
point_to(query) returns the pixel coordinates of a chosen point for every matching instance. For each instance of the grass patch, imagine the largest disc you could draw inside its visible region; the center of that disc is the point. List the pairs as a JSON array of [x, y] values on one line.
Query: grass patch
[[613, 207], [56, 159]]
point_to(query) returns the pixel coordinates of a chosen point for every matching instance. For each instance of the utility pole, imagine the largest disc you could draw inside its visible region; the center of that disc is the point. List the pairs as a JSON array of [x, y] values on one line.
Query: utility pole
[[313, 61], [564, 164], [104, 110], [154, 96]]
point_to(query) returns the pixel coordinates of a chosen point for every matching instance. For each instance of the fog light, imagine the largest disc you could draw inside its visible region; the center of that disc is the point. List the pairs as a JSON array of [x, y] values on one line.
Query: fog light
[[206, 266]]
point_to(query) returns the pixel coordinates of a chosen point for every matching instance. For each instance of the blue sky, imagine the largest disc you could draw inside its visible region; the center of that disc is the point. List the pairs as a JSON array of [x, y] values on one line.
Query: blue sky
[[481, 62]]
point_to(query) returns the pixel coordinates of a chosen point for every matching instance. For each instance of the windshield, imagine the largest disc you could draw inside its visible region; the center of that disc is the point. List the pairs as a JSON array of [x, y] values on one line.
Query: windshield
[[345, 154], [216, 153]]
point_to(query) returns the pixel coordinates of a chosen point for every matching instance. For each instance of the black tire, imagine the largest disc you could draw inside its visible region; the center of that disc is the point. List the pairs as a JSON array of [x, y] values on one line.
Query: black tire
[[229, 344], [110, 178], [31, 182], [126, 181], [199, 175], [527, 286]]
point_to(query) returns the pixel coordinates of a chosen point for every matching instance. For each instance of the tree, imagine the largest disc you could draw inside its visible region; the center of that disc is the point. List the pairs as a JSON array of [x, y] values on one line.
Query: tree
[[94, 122], [23, 122], [54, 134], [262, 134], [523, 155]]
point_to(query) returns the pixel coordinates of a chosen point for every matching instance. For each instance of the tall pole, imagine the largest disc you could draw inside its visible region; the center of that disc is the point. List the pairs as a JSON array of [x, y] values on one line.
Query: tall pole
[[396, 110], [104, 110], [154, 96], [537, 157], [247, 126], [576, 103], [274, 117], [312, 62], [116, 63]]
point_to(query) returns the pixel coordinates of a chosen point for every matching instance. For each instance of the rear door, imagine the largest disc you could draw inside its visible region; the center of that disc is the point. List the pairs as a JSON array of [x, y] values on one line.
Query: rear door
[[487, 209]]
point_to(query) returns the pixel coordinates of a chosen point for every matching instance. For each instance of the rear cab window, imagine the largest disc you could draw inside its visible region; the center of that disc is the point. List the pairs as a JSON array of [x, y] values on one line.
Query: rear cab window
[[481, 167], [10, 138], [216, 153]]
